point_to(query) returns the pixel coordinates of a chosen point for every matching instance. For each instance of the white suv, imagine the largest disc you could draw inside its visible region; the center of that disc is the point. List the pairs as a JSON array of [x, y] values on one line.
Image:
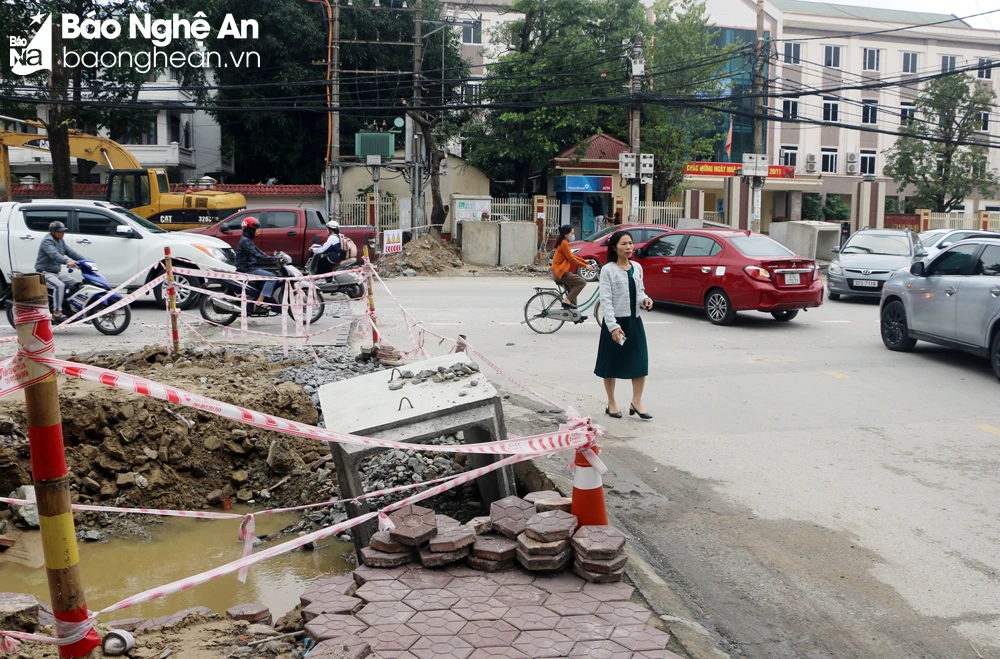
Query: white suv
[[121, 242]]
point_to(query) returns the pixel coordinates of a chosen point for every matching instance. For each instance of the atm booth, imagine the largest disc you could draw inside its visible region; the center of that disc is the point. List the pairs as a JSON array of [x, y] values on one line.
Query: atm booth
[[579, 197]]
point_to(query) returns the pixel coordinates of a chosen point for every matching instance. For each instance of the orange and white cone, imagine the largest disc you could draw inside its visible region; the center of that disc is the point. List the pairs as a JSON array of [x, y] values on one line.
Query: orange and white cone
[[588, 490]]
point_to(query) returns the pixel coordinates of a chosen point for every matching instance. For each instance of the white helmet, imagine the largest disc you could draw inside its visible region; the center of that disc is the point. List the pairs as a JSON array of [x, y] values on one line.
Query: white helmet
[[333, 225]]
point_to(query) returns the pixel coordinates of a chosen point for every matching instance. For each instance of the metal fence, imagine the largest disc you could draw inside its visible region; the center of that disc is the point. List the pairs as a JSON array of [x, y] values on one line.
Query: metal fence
[[362, 212], [660, 212], [993, 221], [953, 220], [513, 209], [714, 216]]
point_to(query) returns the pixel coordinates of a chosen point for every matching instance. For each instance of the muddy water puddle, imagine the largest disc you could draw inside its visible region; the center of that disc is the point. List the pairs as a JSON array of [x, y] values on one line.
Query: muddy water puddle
[[184, 547]]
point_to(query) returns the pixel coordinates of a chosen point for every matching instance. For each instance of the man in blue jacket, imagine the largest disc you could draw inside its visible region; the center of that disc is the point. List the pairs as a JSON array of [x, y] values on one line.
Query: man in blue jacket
[[53, 254], [248, 255]]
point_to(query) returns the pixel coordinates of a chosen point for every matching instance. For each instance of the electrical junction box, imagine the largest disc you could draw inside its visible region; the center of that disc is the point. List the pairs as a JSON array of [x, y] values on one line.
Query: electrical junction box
[[646, 163], [626, 165], [755, 164]]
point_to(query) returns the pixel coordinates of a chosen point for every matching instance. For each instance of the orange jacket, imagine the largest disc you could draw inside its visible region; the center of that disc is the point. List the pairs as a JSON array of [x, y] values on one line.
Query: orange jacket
[[564, 259]]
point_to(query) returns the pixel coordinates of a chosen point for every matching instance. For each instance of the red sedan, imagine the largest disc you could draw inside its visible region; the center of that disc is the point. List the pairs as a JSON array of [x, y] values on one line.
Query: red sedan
[[728, 271], [594, 249]]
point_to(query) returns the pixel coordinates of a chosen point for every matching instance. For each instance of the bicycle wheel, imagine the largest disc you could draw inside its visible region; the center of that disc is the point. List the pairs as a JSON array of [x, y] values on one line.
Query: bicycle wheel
[[536, 312], [597, 313]]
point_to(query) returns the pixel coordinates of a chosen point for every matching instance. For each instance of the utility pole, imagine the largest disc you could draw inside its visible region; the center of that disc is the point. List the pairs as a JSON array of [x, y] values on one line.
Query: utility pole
[[335, 171], [637, 69], [412, 134], [759, 61]]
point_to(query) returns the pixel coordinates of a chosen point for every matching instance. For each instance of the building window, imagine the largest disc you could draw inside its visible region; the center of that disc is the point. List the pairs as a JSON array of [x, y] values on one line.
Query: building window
[[793, 53], [831, 56], [829, 161], [907, 112], [909, 62], [947, 63], [472, 34], [984, 122], [831, 110], [789, 109], [869, 112], [872, 59], [471, 93], [868, 162], [790, 156], [985, 70]]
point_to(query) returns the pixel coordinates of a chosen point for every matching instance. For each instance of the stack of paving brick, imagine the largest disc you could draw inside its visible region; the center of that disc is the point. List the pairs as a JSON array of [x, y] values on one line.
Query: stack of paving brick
[[600, 554], [435, 539]]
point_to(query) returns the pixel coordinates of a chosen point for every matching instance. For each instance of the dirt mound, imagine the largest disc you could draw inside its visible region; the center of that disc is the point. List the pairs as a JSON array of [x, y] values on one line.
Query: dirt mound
[[133, 451], [426, 255]]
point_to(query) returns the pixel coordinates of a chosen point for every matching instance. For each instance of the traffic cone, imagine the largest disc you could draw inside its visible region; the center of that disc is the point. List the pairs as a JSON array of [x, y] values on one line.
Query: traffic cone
[[588, 493]]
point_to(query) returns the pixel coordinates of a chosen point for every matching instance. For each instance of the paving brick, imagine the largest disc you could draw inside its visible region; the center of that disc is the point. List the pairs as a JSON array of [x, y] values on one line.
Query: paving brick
[[249, 612], [543, 643], [640, 638], [533, 547], [331, 604], [657, 654], [512, 577], [610, 592], [389, 638], [489, 633], [498, 653], [345, 647], [598, 542], [543, 563], [125, 624], [599, 577], [480, 525], [436, 623], [510, 515], [477, 586], [441, 647], [364, 573], [418, 578], [599, 650], [445, 523], [521, 595], [494, 547], [572, 604], [331, 626], [381, 559], [551, 526], [383, 613], [532, 618], [585, 628], [431, 599], [461, 571], [486, 565], [535, 497], [480, 608], [605, 565], [430, 558], [414, 525], [339, 585], [383, 591], [382, 542], [623, 613], [452, 539], [564, 504], [560, 583]]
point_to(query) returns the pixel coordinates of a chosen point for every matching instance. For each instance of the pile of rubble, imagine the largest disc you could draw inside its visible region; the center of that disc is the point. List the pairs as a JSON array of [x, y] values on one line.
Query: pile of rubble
[[426, 255]]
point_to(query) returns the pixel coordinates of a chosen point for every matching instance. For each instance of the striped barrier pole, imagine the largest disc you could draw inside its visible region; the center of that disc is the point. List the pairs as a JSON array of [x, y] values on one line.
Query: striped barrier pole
[[172, 297], [371, 305], [48, 465]]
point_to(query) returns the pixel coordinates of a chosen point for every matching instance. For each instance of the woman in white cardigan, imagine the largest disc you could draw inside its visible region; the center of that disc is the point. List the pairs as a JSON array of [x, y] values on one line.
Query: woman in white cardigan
[[622, 353]]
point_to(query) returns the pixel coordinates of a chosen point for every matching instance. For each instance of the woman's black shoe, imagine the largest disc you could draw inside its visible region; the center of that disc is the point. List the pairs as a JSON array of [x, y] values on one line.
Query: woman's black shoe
[[642, 415], [614, 415]]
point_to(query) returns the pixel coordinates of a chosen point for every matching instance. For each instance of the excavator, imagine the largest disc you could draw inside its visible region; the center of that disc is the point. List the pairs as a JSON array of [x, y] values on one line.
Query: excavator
[[145, 192]]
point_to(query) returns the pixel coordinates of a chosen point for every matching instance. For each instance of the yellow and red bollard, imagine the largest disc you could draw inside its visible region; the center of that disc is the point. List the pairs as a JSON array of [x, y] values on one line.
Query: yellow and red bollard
[[171, 290], [49, 471], [371, 305]]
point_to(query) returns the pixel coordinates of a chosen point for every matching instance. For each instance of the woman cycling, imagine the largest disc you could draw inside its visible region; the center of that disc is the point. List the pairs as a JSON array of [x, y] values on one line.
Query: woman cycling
[[564, 262]]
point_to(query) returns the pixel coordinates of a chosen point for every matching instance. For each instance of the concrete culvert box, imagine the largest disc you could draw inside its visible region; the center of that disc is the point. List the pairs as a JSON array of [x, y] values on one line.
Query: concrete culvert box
[[518, 243], [481, 243]]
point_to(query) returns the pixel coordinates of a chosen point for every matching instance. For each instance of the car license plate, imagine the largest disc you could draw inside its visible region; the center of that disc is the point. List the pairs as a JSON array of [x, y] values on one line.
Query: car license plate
[[866, 283], [792, 279]]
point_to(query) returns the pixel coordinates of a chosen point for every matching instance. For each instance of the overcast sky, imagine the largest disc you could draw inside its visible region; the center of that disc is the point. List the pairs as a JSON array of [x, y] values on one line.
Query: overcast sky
[[960, 8]]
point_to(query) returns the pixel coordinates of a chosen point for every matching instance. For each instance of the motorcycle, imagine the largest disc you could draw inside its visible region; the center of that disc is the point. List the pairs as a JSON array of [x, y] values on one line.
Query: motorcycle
[[222, 311], [350, 284], [93, 287]]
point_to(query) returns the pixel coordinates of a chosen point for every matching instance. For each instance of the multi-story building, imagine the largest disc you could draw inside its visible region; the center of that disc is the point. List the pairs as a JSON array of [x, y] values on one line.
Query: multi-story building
[[819, 46]]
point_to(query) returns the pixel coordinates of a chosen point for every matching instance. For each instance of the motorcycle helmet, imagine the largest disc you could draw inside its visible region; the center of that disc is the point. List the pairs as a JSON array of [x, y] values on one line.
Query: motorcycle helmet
[[250, 222], [57, 226], [333, 225]]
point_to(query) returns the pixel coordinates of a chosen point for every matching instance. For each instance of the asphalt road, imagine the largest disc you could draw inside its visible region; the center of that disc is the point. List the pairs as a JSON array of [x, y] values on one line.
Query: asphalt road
[[810, 492]]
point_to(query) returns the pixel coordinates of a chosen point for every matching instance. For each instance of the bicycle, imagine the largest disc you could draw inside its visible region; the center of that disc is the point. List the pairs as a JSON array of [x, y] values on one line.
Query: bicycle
[[544, 314]]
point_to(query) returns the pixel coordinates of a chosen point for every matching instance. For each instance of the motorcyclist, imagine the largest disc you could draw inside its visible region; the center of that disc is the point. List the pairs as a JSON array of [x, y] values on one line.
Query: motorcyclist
[[248, 255], [331, 252], [54, 253]]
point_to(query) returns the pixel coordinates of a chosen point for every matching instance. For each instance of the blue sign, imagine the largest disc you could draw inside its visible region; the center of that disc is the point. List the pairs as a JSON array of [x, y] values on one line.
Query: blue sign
[[583, 184]]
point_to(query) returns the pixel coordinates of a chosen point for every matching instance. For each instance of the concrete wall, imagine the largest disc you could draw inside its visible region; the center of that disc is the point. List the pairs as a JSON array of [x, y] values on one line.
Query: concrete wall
[[481, 243], [812, 240], [518, 243]]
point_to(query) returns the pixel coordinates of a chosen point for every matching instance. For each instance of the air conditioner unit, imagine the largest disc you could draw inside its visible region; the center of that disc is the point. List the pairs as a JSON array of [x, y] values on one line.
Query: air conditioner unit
[[852, 157], [811, 167], [852, 167], [811, 158]]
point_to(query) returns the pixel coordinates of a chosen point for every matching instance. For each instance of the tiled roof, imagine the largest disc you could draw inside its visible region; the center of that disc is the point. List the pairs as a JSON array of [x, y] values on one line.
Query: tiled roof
[[866, 13], [599, 147], [45, 190]]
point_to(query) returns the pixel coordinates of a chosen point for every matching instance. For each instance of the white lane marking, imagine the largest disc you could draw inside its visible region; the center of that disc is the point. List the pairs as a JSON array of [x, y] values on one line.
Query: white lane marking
[[835, 321]]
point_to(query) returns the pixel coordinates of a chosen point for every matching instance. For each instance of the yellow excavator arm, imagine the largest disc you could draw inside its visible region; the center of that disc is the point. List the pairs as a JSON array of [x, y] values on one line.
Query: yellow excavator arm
[[81, 145]]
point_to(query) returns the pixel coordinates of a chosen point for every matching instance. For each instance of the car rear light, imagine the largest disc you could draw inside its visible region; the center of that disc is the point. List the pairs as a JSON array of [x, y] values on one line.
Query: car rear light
[[817, 273], [758, 273]]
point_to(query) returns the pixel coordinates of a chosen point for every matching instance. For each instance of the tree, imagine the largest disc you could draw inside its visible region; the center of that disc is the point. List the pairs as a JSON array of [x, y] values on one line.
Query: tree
[[559, 56], [683, 61], [836, 210], [812, 206], [942, 152]]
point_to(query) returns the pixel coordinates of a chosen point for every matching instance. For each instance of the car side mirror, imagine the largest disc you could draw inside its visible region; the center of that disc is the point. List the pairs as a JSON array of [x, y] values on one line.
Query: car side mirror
[[947, 244], [921, 252], [835, 250], [124, 231], [316, 240], [640, 252], [917, 269], [224, 228]]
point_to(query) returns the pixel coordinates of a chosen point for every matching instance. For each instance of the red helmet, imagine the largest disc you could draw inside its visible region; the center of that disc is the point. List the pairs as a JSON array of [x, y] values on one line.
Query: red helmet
[[250, 222]]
